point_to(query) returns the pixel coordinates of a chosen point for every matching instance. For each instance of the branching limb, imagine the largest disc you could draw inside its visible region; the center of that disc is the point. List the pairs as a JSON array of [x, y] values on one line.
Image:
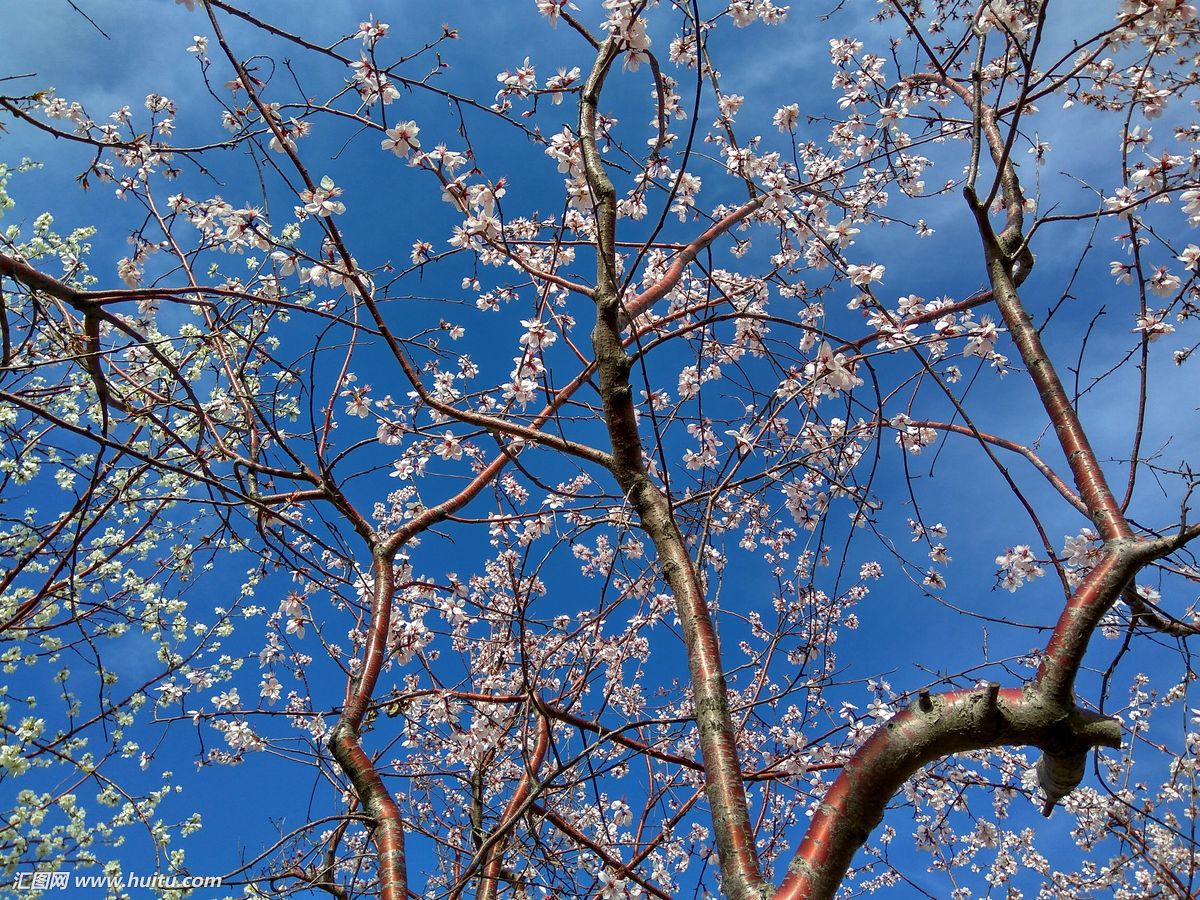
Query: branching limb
[[344, 743], [494, 855], [1009, 262], [932, 728], [741, 873]]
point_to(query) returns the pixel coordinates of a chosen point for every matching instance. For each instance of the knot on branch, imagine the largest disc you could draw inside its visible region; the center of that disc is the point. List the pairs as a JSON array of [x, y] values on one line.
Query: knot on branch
[[1058, 775], [1022, 265], [1009, 246], [1019, 257], [1065, 752]]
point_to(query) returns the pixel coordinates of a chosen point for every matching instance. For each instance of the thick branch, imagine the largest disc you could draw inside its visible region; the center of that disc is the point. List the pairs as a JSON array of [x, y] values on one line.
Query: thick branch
[[1093, 598], [346, 749], [928, 730], [1042, 714], [1009, 262], [492, 868], [1089, 478], [740, 871]]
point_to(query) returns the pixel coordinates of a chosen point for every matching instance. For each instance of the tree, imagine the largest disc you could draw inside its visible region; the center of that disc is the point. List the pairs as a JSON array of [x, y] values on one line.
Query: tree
[[543, 489]]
